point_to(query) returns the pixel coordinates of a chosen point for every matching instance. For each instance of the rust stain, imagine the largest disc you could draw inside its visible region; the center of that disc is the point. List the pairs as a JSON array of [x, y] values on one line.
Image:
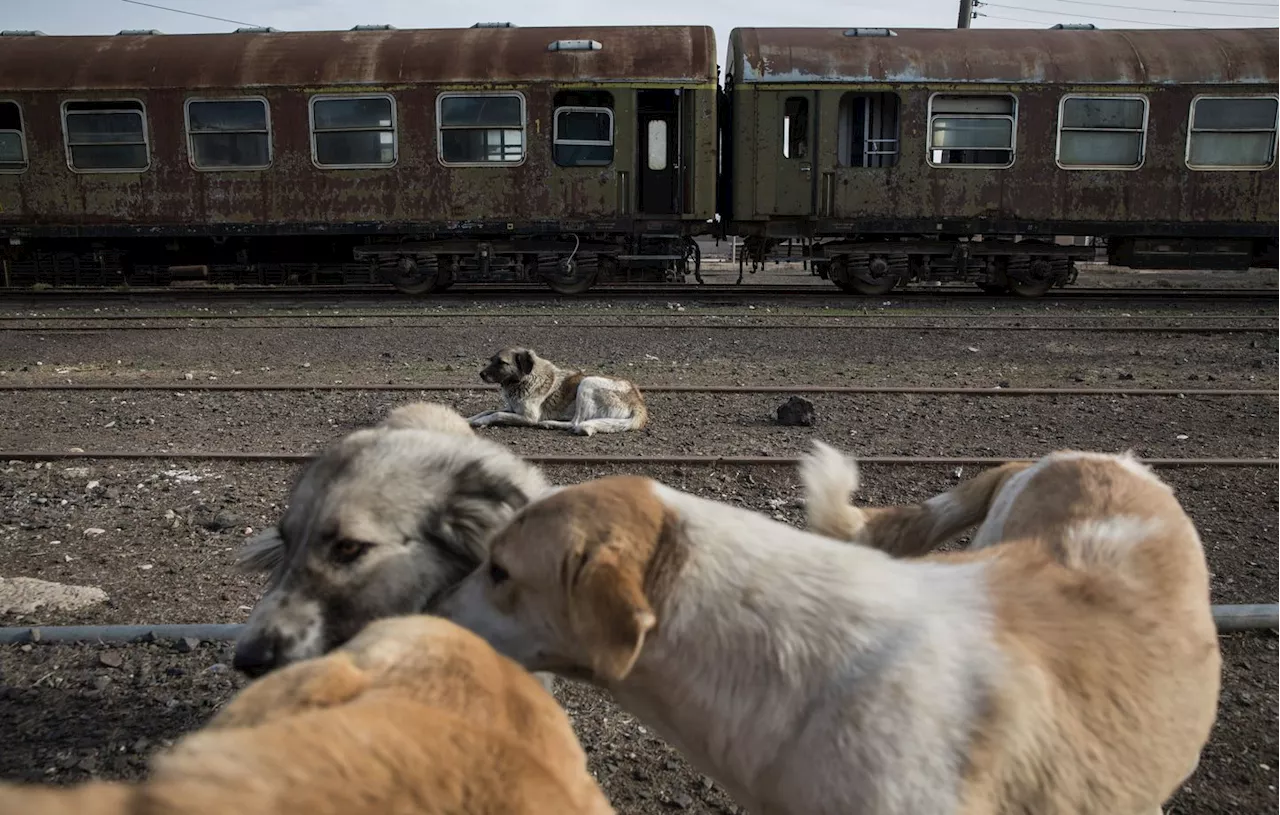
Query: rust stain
[[357, 58], [1197, 57]]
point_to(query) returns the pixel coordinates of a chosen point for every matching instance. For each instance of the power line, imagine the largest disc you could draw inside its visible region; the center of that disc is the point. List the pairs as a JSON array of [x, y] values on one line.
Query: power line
[[1166, 11], [1091, 16], [191, 13], [1230, 3]]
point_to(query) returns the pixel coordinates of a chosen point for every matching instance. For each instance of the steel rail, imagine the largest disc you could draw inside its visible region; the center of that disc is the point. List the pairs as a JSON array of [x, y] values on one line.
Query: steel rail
[[541, 458], [1229, 618], [458, 313], [1099, 329], [816, 389]]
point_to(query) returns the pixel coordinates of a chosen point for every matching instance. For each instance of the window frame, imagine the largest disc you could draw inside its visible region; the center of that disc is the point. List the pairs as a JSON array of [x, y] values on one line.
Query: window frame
[[1250, 168], [1013, 131], [146, 133], [524, 130], [1142, 147], [191, 150], [22, 133], [395, 130], [556, 140]]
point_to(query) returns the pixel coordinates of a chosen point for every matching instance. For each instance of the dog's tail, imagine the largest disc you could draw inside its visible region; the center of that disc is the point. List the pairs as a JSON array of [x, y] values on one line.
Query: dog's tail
[[93, 798], [829, 479]]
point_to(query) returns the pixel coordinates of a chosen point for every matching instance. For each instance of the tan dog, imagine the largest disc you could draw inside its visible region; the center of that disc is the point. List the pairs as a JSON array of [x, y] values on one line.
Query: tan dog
[[1072, 670], [414, 715], [830, 478], [536, 393]]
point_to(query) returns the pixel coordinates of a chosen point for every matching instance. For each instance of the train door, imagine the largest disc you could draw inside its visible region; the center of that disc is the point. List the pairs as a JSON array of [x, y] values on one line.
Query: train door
[[660, 167], [794, 188]]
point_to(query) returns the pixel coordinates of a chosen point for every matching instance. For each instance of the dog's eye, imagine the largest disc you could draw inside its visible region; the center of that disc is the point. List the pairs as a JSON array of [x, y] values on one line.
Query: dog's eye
[[498, 574], [348, 551]]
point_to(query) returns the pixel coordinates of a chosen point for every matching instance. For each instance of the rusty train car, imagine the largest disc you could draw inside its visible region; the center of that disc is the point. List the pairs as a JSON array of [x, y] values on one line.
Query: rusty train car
[[569, 156]]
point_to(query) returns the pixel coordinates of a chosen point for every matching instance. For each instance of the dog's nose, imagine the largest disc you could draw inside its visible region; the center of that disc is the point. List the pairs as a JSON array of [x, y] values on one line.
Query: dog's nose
[[257, 656]]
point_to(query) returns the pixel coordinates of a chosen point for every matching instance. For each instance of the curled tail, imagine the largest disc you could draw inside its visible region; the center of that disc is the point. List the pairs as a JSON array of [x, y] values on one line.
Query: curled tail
[[829, 478]]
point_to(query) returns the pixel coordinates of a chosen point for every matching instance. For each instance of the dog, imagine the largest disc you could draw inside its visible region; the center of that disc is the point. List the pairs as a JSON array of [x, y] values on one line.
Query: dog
[[829, 479], [1071, 668], [414, 714], [536, 393], [379, 525]]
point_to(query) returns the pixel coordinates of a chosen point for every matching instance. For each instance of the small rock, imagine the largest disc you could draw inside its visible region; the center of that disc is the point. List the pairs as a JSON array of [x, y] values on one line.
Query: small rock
[[188, 375], [1182, 437], [306, 365], [26, 648], [174, 671], [217, 668], [1127, 377], [101, 682], [681, 801], [111, 659], [972, 349], [639, 774], [220, 521], [186, 645], [76, 473], [796, 412], [1004, 383], [93, 532]]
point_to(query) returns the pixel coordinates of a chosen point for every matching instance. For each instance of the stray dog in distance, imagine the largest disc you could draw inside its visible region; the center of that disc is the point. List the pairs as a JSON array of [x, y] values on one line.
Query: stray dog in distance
[[1072, 669], [379, 525], [829, 479], [413, 715], [536, 393]]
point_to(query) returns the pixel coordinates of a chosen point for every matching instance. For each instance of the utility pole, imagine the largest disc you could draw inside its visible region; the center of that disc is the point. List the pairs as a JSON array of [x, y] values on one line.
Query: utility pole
[[966, 13]]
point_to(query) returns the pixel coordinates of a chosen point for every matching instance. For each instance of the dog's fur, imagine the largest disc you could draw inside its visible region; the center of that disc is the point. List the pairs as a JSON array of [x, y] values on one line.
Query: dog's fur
[[829, 479], [379, 525], [536, 393], [1072, 669], [414, 715]]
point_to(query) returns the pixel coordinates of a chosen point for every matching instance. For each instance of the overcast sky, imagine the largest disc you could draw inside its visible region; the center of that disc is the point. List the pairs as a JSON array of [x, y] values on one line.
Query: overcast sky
[[110, 16]]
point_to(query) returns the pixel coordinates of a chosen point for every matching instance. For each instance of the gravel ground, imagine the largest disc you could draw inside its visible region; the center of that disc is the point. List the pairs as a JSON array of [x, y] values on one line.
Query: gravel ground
[[681, 423], [668, 354], [160, 536]]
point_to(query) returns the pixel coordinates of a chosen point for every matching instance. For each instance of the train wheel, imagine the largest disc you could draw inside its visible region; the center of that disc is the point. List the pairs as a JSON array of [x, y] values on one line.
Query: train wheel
[[1036, 280], [413, 276], [862, 275], [572, 276]]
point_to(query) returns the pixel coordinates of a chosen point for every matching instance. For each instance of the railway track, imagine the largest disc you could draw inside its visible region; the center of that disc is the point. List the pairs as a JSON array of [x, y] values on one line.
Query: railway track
[[691, 292], [811, 389]]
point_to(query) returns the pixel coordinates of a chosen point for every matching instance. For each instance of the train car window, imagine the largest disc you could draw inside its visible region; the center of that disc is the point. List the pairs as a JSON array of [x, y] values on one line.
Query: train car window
[[1102, 132], [657, 138], [480, 129], [795, 128], [583, 129], [1232, 133], [972, 131], [106, 137], [13, 139], [228, 134], [868, 130], [349, 132]]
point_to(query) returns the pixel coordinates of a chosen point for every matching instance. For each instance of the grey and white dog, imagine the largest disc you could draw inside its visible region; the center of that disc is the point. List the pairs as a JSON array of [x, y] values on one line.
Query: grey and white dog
[[537, 393], [379, 525]]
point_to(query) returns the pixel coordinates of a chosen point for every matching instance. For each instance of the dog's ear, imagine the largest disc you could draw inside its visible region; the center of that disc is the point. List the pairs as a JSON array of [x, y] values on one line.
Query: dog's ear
[[262, 553], [608, 610], [524, 362], [324, 682]]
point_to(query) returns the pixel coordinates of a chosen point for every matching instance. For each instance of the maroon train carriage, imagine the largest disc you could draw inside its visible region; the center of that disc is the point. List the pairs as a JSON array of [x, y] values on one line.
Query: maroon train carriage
[[421, 156], [921, 154]]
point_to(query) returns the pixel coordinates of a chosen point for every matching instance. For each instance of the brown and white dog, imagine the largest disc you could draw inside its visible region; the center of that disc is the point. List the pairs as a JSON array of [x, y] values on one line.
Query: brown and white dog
[[414, 715], [1073, 668], [536, 393]]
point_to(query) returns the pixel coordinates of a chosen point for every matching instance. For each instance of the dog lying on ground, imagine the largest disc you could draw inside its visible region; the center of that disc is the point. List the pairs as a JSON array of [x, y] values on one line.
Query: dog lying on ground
[[414, 715], [1071, 669], [536, 393], [377, 526]]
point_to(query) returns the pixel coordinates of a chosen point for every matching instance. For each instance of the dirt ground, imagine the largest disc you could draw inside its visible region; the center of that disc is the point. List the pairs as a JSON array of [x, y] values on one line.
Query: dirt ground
[[159, 536]]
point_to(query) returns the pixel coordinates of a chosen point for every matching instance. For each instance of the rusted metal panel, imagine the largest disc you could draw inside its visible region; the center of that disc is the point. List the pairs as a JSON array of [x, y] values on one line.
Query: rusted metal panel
[[1038, 56], [629, 54]]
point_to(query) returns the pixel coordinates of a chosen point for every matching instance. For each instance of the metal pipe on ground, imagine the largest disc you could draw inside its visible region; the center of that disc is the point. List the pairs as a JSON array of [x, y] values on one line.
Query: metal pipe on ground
[[1229, 618], [692, 461]]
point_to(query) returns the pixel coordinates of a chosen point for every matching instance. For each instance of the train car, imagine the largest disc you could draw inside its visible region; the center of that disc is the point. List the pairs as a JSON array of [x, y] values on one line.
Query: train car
[[421, 156], [889, 156]]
